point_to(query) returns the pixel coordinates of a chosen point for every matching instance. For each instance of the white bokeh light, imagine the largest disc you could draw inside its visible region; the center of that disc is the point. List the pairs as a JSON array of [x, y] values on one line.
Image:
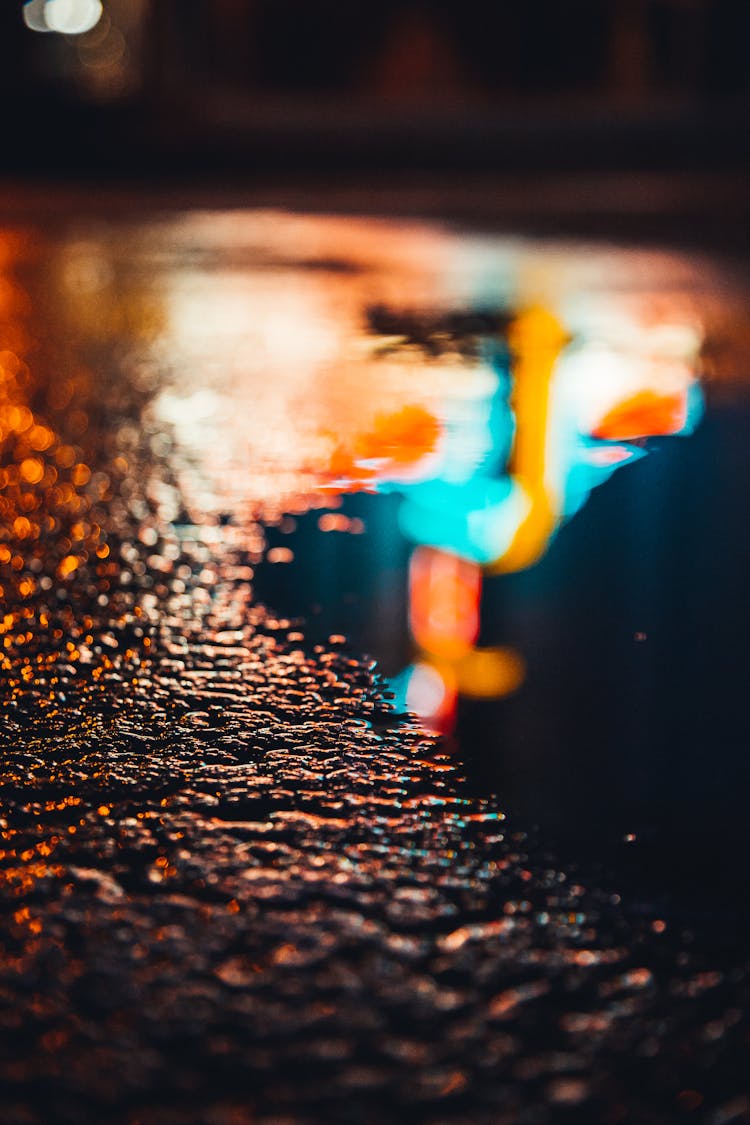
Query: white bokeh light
[[72, 17], [33, 15]]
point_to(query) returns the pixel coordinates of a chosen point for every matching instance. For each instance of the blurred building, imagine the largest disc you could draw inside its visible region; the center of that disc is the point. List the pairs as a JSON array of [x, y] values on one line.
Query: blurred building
[[190, 67]]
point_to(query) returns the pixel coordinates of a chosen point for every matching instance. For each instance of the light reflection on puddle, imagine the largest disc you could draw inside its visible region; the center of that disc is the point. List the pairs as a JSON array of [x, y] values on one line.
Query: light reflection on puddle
[[491, 383], [452, 398], [219, 842]]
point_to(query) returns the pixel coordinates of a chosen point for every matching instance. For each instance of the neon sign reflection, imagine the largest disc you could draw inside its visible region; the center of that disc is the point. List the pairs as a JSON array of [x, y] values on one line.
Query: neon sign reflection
[[489, 383], [547, 450]]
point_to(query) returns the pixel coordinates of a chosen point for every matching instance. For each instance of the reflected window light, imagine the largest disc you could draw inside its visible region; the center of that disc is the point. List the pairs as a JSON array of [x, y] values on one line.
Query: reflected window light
[[66, 17]]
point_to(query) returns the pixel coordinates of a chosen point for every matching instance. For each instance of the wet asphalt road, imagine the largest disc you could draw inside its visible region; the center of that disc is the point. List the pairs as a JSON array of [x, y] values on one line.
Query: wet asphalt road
[[237, 888]]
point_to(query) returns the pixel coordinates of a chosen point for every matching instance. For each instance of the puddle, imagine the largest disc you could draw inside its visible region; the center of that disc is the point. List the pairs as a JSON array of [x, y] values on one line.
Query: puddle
[[242, 450]]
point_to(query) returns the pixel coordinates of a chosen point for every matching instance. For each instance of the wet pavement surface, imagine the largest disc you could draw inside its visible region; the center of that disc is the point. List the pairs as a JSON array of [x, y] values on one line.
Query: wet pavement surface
[[237, 885]]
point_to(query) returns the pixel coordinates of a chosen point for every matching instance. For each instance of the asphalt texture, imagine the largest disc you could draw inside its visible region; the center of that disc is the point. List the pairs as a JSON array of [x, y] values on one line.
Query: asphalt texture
[[237, 887]]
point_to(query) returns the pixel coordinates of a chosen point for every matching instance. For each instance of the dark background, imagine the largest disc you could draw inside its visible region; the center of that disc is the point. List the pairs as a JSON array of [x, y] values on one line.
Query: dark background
[[229, 87]]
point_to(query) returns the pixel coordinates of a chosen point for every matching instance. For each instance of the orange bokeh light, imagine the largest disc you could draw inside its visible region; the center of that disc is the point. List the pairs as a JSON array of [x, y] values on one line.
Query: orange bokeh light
[[647, 413], [444, 593]]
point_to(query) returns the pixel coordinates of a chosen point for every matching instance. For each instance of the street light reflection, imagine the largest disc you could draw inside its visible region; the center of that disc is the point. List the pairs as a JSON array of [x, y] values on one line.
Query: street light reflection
[[281, 363]]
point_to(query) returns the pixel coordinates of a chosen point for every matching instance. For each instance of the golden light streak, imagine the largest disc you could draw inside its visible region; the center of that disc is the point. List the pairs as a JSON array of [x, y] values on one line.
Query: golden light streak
[[536, 339]]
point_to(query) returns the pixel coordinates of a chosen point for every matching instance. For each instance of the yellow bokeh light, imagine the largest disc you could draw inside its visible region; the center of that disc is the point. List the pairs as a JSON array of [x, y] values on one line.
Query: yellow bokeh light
[[32, 470], [490, 673], [67, 566]]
